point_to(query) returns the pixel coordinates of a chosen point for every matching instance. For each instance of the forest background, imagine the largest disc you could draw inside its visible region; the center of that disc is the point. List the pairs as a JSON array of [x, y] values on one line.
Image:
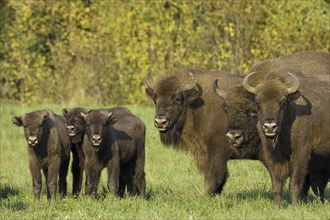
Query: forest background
[[85, 51]]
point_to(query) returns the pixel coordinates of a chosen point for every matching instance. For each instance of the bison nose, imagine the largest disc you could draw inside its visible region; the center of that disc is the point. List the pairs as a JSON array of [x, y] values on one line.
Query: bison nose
[[32, 140], [71, 130], [235, 137], [96, 139], [161, 123], [270, 128]]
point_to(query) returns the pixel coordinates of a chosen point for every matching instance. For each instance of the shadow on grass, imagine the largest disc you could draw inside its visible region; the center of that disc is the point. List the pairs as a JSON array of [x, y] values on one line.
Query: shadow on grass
[[7, 191], [256, 194], [103, 192]]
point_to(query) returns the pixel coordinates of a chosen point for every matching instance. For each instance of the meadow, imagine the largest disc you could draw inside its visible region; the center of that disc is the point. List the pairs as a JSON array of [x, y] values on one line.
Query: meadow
[[174, 185]]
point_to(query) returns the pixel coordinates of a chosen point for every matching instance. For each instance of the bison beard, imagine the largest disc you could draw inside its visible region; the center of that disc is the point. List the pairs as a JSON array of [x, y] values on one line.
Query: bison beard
[[172, 136]]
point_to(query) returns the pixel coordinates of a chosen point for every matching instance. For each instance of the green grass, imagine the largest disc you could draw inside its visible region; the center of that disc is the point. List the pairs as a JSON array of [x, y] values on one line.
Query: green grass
[[174, 186]]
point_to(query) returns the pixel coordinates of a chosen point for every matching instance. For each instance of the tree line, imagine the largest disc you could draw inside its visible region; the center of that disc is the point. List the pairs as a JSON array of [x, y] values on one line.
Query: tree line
[[76, 51]]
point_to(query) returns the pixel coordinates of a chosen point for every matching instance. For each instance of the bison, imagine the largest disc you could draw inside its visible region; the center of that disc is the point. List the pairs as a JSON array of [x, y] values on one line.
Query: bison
[[243, 135], [290, 132], [118, 143], [187, 116], [76, 130], [48, 149], [241, 111]]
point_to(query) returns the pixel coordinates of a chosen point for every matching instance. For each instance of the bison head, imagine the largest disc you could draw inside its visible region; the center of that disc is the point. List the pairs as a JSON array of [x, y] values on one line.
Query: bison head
[[172, 96], [97, 123], [240, 109], [33, 125], [272, 95], [75, 123]]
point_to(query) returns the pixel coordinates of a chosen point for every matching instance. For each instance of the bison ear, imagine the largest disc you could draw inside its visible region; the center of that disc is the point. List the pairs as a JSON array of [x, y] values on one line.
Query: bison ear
[[65, 111], [112, 118], [150, 92], [193, 97], [45, 114], [17, 120]]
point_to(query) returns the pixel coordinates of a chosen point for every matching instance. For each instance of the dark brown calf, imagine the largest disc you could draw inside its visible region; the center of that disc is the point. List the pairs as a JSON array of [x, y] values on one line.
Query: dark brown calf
[[48, 149], [118, 143], [76, 130]]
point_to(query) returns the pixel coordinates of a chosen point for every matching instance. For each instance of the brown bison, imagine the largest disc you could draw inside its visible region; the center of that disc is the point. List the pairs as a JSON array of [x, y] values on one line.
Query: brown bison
[[187, 114], [291, 130], [118, 143], [243, 135], [241, 111], [76, 130], [48, 149]]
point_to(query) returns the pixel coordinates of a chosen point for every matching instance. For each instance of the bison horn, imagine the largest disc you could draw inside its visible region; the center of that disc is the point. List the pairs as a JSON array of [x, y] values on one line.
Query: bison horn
[[295, 85], [191, 85], [246, 85], [148, 82], [220, 92]]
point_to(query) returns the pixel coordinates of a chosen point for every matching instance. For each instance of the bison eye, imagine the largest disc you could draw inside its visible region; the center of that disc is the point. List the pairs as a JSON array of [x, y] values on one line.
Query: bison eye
[[257, 103], [225, 109], [178, 100], [253, 113], [284, 103]]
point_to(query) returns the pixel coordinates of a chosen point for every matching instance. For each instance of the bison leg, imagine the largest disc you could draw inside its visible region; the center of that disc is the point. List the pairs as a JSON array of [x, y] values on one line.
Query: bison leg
[[297, 179], [77, 168], [126, 174], [277, 188], [53, 172], [92, 179], [113, 176], [45, 171], [139, 177], [62, 184], [36, 180], [305, 188], [216, 167], [122, 186], [319, 181]]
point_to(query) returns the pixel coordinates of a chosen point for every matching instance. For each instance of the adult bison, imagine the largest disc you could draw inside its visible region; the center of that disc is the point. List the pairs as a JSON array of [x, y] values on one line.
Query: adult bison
[[76, 129], [187, 115], [48, 150], [116, 142], [290, 133], [242, 111]]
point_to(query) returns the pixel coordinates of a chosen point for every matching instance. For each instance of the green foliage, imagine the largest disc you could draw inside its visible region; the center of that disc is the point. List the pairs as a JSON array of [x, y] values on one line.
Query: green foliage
[[99, 51]]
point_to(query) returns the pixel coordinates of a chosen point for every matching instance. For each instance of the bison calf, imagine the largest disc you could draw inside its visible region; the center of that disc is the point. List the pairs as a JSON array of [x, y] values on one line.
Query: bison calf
[[48, 149], [118, 143], [76, 130]]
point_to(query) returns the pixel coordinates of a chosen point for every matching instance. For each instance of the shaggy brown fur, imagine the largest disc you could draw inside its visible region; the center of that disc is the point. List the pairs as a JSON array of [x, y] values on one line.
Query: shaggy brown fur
[[194, 121], [241, 110], [76, 130], [302, 130], [310, 63], [118, 143], [48, 149]]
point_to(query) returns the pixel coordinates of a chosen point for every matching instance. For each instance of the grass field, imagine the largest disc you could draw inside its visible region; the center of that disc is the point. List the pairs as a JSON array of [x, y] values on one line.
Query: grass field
[[174, 186]]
